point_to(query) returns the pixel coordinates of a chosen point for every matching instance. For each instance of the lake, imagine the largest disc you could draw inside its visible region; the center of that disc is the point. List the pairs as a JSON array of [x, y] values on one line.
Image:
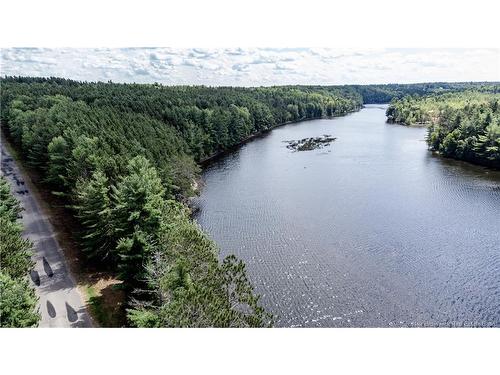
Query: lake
[[371, 231]]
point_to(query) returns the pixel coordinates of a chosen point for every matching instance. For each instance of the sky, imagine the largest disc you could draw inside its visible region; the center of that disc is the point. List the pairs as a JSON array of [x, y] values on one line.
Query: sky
[[254, 66]]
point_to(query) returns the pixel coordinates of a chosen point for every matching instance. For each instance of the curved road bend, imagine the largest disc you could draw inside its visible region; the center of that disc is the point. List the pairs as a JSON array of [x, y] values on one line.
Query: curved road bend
[[60, 302]]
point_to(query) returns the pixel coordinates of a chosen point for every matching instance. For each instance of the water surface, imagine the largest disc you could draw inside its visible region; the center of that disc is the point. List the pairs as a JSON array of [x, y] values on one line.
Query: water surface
[[373, 230]]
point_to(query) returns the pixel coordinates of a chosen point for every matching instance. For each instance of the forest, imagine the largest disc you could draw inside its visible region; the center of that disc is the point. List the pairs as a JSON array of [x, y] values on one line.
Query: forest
[[385, 93], [124, 158], [461, 125], [18, 303]]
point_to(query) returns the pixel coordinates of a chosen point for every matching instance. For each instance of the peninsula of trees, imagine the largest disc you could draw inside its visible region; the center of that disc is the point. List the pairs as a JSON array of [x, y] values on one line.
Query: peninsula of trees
[[461, 125]]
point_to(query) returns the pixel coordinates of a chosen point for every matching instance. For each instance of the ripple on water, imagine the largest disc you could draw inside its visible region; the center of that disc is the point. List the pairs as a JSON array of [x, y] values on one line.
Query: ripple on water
[[377, 232]]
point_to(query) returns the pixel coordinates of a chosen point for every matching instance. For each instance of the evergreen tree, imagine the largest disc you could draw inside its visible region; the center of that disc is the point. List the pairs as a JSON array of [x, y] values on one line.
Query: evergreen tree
[[137, 217], [17, 303], [10, 207], [15, 252], [17, 298], [120, 152], [463, 125], [94, 210], [58, 152]]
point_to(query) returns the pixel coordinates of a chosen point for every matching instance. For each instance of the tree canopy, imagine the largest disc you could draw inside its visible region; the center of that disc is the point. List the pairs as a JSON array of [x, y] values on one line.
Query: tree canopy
[[18, 303], [124, 157], [463, 125]]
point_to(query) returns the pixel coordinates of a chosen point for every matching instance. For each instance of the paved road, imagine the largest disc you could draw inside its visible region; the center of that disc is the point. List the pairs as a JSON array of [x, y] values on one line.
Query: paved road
[[60, 302]]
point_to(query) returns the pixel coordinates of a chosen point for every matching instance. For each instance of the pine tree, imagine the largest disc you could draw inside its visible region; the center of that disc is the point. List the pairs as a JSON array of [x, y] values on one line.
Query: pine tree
[[10, 207], [137, 217], [94, 209], [17, 303], [139, 198], [15, 251], [17, 298], [58, 150]]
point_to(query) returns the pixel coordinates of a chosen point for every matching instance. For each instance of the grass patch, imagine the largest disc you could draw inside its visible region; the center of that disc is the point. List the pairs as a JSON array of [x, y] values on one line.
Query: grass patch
[[106, 305]]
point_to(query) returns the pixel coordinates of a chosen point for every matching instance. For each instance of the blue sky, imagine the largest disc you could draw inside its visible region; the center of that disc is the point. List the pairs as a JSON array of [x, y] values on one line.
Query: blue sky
[[255, 66]]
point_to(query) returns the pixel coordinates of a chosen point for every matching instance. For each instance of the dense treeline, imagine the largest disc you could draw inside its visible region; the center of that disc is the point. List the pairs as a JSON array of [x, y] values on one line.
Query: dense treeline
[[124, 158], [463, 125], [161, 254], [208, 119], [18, 303], [120, 155], [386, 93]]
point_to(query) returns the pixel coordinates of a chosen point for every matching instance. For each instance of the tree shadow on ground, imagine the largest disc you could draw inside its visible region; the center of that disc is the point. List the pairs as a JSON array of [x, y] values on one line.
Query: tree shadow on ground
[[47, 268], [35, 277], [71, 313], [51, 310]]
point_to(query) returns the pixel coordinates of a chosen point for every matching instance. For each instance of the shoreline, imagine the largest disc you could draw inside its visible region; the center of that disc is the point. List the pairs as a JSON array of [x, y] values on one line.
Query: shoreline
[[414, 125], [229, 225], [205, 161], [477, 162], [198, 182]]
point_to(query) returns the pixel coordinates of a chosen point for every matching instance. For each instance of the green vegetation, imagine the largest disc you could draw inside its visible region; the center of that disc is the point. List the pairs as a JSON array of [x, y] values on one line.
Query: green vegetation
[[183, 269], [386, 93], [124, 158], [201, 121], [17, 298], [463, 126], [107, 313]]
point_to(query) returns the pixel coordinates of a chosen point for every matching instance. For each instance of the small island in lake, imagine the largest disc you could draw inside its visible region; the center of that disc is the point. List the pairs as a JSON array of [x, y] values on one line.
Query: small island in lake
[[308, 144]]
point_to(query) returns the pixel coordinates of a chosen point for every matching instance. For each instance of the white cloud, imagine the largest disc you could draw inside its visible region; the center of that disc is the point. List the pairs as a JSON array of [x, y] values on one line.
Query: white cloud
[[255, 66]]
